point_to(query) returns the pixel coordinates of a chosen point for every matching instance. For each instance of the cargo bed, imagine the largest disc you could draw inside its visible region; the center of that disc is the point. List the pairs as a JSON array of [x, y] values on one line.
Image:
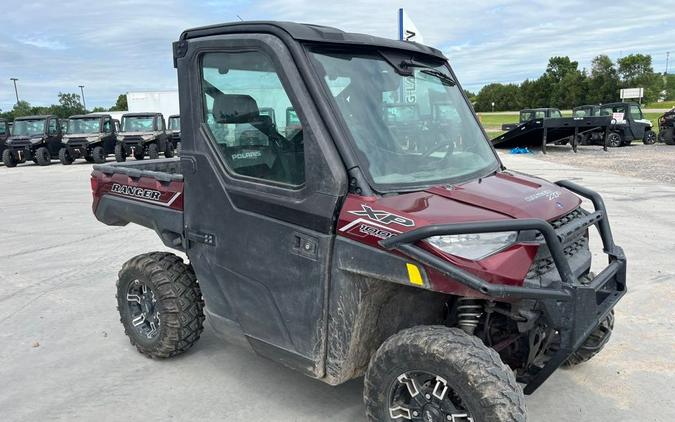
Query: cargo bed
[[148, 193]]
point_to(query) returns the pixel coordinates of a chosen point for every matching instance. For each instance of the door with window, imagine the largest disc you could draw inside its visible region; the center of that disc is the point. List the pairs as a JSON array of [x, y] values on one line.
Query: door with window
[[260, 202]]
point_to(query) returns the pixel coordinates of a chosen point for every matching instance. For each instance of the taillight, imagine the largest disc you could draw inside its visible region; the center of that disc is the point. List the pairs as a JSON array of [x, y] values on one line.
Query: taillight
[[94, 185]]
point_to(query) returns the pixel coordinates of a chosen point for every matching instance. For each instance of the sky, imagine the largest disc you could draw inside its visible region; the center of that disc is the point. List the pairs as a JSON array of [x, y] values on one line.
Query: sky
[[114, 47]]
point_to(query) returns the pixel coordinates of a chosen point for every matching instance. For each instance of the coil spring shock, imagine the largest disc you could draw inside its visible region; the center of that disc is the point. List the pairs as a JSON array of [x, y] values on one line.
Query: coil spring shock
[[469, 312]]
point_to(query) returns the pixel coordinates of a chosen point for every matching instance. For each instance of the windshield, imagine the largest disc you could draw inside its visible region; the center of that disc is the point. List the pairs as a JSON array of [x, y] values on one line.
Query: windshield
[[174, 123], [409, 131], [28, 127], [138, 124], [90, 125]]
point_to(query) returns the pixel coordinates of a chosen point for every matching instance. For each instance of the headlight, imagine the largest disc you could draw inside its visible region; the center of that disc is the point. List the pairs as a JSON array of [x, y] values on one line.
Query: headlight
[[120, 137], [473, 246], [147, 137], [36, 140], [93, 138]]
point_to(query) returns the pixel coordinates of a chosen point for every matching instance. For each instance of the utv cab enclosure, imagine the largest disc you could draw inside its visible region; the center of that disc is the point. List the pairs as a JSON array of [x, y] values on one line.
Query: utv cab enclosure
[[434, 270], [142, 134], [36, 138], [91, 137], [528, 114]]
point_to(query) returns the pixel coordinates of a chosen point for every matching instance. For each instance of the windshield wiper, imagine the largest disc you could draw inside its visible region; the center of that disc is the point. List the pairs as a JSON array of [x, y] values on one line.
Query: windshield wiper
[[445, 79]]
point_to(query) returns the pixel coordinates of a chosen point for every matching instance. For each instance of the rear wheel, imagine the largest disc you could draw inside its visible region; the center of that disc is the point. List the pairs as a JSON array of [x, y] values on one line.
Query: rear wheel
[[139, 153], [667, 136], [120, 153], [43, 156], [160, 304], [593, 344], [64, 157], [649, 138], [98, 155], [614, 140], [168, 152], [8, 158], [153, 151], [434, 374]]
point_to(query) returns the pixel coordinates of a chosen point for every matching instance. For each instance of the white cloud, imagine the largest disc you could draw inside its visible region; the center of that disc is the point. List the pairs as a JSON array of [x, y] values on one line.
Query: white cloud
[[126, 45]]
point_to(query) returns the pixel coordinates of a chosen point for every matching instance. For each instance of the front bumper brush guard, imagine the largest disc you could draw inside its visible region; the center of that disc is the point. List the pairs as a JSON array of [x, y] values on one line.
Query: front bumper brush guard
[[574, 309]]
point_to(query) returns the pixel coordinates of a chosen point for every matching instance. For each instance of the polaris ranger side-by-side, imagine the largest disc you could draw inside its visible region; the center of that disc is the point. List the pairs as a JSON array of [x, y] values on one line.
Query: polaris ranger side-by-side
[[91, 137], [173, 128], [4, 134], [36, 138], [628, 123], [528, 114], [667, 127], [434, 270], [142, 134]]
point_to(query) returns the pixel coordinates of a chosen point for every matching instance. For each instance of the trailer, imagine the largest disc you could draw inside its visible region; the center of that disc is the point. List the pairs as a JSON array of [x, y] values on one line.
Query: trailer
[[557, 130], [164, 102]]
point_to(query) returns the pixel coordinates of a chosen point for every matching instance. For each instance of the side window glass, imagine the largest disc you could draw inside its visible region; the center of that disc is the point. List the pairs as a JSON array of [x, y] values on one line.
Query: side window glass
[[3, 128], [52, 128], [251, 118], [106, 126]]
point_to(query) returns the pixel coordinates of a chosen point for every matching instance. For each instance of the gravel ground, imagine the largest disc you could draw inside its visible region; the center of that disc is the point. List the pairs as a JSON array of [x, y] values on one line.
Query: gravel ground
[[653, 162]]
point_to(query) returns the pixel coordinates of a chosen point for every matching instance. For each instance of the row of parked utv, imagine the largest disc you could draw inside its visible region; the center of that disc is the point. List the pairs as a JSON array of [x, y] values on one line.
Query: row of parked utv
[[92, 137]]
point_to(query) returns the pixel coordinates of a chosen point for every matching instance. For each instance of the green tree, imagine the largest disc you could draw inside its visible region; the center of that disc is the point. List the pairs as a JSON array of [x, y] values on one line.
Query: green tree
[[120, 104], [534, 93], [99, 110], [603, 83], [669, 87], [636, 71], [505, 97], [559, 66], [69, 104]]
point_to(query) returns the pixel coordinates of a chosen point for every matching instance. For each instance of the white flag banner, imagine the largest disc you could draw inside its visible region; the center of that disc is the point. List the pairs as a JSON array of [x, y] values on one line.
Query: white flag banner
[[407, 31]]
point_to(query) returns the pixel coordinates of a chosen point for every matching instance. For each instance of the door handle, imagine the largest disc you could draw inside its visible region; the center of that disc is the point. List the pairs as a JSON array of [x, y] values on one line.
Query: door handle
[[200, 237]]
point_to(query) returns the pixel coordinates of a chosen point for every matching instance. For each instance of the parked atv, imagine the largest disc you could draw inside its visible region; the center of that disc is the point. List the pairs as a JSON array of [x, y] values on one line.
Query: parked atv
[[4, 134], [141, 135], [667, 127], [36, 138], [436, 272], [91, 137]]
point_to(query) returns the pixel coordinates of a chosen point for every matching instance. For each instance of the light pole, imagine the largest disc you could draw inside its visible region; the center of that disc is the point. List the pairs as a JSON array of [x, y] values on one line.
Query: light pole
[[84, 103], [16, 92]]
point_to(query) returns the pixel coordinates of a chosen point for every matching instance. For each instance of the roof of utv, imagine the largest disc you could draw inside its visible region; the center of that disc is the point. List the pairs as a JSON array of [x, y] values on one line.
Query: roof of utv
[[39, 116], [308, 32], [88, 116], [150, 113]]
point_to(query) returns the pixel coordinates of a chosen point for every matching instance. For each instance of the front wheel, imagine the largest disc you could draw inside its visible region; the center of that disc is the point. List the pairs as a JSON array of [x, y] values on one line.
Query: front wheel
[[120, 153], [8, 158], [64, 157], [168, 152], [153, 151], [436, 373], [98, 155], [593, 344], [649, 138], [160, 304], [43, 157]]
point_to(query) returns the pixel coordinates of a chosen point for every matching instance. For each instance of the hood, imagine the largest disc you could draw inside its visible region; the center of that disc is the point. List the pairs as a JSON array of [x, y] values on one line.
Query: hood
[[135, 133], [502, 196], [81, 135]]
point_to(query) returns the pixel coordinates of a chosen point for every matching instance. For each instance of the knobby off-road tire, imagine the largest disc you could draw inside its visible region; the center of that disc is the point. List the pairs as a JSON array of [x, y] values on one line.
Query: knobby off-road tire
[[168, 153], [667, 136], [65, 158], [8, 158], [478, 381], [175, 305], [43, 157], [120, 153], [153, 151], [98, 155], [594, 344], [139, 153]]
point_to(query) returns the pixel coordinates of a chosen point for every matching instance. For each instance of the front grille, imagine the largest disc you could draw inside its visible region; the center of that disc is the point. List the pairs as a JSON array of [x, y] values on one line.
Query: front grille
[[132, 138], [543, 265]]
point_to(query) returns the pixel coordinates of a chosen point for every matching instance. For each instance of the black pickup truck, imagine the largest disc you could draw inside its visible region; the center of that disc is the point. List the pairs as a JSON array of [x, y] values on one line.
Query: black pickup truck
[[439, 274]]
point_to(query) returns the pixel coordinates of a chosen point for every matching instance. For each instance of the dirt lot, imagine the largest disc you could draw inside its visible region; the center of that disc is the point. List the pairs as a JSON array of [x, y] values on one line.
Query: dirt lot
[[64, 356], [653, 162]]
